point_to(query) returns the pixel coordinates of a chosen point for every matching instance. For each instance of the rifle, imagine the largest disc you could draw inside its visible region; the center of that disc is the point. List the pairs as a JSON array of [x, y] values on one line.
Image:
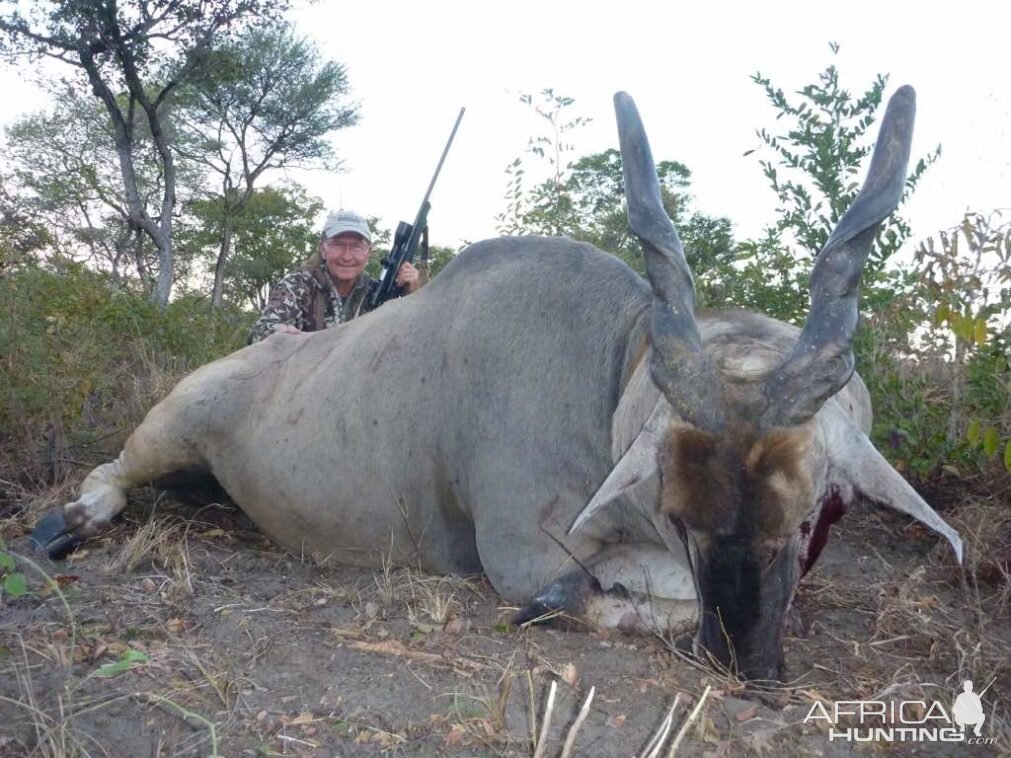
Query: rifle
[[407, 239]]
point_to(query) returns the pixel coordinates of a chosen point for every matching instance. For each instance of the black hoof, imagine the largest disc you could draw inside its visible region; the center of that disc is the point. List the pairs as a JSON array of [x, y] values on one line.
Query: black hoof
[[53, 537], [534, 611], [565, 595]]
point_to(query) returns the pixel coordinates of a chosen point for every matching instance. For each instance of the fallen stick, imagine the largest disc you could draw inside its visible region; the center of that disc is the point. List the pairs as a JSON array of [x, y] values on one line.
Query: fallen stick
[[653, 747], [688, 722], [570, 739], [542, 741]]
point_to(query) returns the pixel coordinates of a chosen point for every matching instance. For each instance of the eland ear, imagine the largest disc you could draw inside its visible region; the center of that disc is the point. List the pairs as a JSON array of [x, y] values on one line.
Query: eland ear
[[637, 468], [873, 477]]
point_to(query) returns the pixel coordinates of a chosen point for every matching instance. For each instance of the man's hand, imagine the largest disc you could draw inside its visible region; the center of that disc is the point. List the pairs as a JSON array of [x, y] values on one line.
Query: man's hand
[[286, 329], [408, 277]]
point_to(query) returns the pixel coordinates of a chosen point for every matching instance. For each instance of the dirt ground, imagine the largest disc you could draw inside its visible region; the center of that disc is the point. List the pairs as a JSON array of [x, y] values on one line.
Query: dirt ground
[[186, 633]]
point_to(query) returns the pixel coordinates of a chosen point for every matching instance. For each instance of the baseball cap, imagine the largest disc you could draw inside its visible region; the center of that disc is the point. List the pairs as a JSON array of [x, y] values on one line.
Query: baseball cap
[[342, 221]]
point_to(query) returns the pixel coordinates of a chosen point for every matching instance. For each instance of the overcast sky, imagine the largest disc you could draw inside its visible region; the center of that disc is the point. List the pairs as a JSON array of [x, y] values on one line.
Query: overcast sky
[[413, 65]]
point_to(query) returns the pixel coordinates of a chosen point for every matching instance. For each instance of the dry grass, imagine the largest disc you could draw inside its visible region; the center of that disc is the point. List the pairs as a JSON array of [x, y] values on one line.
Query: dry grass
[[51, 726], [58, 694], [928, 630], [156, 542], [435, 599]]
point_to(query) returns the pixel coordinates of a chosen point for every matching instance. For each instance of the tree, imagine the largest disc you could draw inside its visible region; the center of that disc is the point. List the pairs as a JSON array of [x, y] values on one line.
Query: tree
[[765, 277], [272, 233], [585, 199], [438, 258], [134, 54], [20, 233], [263, 101], [64, 164], [546, 209], [823, 147], [965, 280], [596, 188]]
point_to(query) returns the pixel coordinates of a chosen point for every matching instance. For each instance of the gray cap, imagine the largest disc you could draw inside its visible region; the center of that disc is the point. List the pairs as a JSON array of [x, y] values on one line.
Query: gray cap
[[342, 221]]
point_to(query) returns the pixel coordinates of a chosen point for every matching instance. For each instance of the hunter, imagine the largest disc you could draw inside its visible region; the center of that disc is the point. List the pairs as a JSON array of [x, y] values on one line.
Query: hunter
[[332, 286]]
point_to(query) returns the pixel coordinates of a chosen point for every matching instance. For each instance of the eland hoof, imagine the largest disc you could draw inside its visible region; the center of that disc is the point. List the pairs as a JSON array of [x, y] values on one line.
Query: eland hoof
[[53, 536], [566, 595]]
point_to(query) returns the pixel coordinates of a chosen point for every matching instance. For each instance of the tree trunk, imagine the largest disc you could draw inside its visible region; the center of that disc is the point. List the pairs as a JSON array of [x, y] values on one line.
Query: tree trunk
[[138, 257], [219, 265], [160, 230], [163, 287]]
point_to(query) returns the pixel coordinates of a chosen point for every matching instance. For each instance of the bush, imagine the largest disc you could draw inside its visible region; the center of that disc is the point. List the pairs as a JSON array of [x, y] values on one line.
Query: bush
[[935, 354], [84, 361]]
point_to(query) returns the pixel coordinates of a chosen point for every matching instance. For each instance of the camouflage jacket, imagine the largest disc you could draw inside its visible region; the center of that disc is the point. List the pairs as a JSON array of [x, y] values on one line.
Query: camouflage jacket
[[307, 299]]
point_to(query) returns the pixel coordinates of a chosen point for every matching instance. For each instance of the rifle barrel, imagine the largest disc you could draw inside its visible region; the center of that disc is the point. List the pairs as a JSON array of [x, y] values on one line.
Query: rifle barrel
[[442, 158]]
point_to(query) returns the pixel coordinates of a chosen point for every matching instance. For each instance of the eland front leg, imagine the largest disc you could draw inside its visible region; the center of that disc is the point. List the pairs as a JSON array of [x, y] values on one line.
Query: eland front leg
[[635, 587]]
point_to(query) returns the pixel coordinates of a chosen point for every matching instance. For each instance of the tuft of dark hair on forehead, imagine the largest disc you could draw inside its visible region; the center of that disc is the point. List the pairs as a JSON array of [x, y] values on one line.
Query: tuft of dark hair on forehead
[[698, 484], [693, 446], [734, 483], [775, 464], [780, 450]]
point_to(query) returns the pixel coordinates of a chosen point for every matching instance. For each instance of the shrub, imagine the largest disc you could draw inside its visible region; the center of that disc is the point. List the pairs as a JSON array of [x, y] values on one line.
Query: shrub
[[935, 354], [83, 360]]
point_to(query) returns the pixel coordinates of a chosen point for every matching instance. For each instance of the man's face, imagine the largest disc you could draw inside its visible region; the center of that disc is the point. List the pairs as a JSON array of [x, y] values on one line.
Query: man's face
[[346, 255]]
